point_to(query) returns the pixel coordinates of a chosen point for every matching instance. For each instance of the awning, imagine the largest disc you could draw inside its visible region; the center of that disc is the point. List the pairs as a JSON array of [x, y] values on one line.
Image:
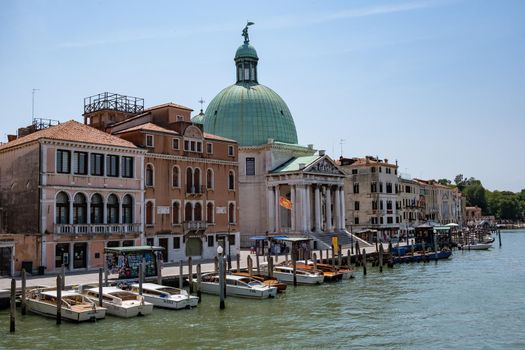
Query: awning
[[140, 248], [258, 238], [442, 228], [452, 224], [294, 239]]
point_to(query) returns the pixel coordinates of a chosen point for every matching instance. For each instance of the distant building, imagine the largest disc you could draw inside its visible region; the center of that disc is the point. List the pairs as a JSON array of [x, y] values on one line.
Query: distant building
[[66, 192], [372, 199], [191, 178], [411, 208]]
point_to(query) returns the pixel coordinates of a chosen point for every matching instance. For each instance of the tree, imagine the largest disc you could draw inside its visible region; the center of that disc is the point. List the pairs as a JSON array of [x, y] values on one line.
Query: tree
[[445, 182], [475, 194], [460, 181]]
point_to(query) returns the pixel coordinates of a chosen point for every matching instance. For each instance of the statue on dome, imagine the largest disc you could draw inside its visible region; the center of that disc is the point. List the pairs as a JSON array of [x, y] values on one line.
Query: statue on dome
[[245, 32]]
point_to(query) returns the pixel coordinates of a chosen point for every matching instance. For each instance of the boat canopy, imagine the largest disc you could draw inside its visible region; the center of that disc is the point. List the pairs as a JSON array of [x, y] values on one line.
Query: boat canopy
[[140, 248]]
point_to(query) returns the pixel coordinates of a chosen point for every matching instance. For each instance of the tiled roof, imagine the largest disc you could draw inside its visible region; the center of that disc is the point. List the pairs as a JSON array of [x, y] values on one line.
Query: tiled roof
[[71, 131], [148, 127], [364, 161], [216, 137], [293, 164], [169, 104]]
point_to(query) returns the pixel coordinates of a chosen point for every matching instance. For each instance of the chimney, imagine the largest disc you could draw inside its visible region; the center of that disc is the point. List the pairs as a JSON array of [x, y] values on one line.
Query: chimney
[[270, 141], [11, 138], [386, 161], [321, 152]]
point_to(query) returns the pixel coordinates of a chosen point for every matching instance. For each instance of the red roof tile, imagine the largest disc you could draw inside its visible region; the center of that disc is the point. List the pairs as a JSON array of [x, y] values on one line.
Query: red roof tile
[[148, 127], [169, 104], [71, 131], [216, 137]]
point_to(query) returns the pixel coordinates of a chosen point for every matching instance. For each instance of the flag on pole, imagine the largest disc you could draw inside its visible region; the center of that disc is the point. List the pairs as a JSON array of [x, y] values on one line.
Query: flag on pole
[[285, 202]]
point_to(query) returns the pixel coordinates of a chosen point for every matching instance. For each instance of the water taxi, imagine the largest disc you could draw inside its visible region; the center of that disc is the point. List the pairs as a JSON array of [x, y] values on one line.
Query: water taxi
[[347, 273], [237, 286], [75, 306], [267, 280], [165, 297], [120, 302], [285, 274]]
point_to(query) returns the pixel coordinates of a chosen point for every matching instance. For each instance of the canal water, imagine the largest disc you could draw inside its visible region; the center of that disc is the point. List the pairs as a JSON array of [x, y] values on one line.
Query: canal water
[[475, 300]]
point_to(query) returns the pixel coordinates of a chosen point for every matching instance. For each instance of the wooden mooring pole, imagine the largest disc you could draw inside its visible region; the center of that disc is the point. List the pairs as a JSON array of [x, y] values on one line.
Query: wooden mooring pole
[[190, 273], [314, 259], [181, 280], [222, 284], [59, 299], [159, 271], [199, 280], [363, 261], [100, 298], [23, 291], [63, 273], [249, 264], [499, 237], [141, 276], [381, 257], [238, 262], [12, 314]]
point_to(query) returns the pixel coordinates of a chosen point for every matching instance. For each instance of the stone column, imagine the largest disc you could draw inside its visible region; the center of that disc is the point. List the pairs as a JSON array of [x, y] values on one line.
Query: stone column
[[271, 209], [343, 213], [337, 210], [317, 209], [276, 206], [329, 226], [307, 208], [294, 207], [88, 210]]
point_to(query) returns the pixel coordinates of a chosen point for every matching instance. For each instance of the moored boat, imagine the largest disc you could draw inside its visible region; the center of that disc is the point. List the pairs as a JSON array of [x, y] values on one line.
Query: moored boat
[[418, 257], [238, 286], [475, 246], [120, 302], [165, 297], [75, 306], [346, 272], [267, 280], [285, 274]]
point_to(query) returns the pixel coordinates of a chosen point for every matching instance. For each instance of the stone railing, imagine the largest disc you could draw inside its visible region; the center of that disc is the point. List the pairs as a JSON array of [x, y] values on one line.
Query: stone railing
[[195, 225], [97, 228]]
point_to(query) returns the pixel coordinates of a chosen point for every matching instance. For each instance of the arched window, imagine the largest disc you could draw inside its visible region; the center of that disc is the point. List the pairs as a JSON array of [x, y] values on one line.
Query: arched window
[[197, 180], [231, 213], [149, 213], [97, 209], [79, 209], [62, 208], [231, 180], [187, 212], [209, 213], [127, 209], [197, 212], [112, 209], [189, 180], [175, 176], [175, 219], [149, 175], [209, 179]]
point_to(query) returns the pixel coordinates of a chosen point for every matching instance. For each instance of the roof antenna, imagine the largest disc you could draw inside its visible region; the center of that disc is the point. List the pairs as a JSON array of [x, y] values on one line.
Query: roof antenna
[[341, 142], [33, 104]]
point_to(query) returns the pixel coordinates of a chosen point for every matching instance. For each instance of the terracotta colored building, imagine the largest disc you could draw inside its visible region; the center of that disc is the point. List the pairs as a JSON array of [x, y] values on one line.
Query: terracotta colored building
[[190, 177], [66, 192]]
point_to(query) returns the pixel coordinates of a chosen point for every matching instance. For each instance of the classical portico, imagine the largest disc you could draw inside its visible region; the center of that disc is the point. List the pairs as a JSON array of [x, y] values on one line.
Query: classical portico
[[312, 188]]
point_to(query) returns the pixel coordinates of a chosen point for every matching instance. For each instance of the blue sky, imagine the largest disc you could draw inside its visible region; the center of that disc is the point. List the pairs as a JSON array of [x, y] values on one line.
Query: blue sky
[[437, 85]]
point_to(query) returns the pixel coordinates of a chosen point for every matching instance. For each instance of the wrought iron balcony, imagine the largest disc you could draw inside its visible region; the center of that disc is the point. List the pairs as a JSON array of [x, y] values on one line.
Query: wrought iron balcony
[[97, 228], [195, 225]]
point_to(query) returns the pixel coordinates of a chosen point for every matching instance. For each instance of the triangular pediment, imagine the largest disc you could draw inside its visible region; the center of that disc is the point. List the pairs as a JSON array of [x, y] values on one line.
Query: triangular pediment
[[324, 166]]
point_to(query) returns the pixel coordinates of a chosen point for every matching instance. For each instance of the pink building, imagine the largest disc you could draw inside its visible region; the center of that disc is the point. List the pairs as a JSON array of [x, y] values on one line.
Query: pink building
[[66, 192]]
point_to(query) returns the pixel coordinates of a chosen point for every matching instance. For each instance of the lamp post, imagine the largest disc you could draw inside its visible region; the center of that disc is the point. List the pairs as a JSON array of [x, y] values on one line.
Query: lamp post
[[221, 277]]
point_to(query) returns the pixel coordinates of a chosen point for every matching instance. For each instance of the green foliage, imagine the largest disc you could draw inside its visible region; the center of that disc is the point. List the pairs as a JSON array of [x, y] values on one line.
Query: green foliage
[[445, 182], [475, 194]]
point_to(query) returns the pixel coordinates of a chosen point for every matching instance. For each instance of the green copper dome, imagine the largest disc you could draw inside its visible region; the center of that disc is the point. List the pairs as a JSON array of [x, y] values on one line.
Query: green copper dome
[[199, 118], [246, 50], [250, 113]]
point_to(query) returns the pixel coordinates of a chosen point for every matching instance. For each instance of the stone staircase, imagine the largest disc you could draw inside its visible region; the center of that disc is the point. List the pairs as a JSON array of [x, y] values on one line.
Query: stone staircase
[[344, 238]]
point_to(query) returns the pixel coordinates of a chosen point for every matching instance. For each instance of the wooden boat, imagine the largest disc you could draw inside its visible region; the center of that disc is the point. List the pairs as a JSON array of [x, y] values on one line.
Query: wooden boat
[[267, 280], [120, 302], [237, 286], [165, 297], [285, 274], [75, 306], [330, 275], [346, 272]]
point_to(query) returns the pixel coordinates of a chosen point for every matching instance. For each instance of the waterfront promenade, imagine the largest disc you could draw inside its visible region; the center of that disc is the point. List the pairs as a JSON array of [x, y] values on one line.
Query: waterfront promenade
[[170, 270]]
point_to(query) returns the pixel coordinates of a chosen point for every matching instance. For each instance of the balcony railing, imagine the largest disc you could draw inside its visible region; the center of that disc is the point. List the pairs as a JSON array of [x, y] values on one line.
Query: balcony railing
[[195, 225], [194, 190], [97, 228]]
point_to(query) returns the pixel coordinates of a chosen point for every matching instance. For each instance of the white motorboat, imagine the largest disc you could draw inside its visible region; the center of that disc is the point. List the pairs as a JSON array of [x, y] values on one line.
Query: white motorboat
[[166, 297], [346, 272], [237, 286], [476, 246], [120, 302], [285, 274], [75, 306]]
